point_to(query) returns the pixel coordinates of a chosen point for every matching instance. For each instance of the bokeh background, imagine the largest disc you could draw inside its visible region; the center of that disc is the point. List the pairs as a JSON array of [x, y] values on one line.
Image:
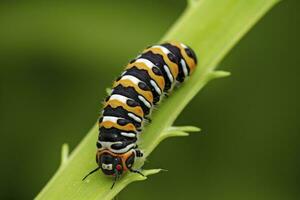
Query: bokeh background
[[57, 58]]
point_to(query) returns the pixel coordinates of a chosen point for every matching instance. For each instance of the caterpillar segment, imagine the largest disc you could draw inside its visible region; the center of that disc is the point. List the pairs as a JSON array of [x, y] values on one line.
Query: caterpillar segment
[[117, 122], [128, 104], [140, 88], [158, 61], [153, 71], [188, 55], [171, 61], [142, 85], [130, 92], [143, 76]]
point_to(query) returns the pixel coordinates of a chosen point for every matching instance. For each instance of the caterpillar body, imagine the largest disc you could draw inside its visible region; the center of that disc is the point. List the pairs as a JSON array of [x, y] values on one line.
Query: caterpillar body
[[145, 81]]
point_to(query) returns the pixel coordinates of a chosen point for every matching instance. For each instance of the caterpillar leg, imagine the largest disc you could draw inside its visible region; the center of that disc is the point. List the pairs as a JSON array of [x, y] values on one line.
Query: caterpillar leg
[[108, 91], [138, 153], [136, 171], [149, 120]]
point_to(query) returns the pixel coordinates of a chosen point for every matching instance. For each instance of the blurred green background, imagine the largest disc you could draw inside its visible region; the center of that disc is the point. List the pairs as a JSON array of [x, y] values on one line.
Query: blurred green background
[[57, 58]]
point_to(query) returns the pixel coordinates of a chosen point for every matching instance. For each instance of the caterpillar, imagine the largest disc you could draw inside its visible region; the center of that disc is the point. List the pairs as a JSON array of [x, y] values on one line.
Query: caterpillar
[[145, 81]]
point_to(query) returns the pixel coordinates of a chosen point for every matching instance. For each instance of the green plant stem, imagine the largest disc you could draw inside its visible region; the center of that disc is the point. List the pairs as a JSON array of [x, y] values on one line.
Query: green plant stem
[[211, 28]]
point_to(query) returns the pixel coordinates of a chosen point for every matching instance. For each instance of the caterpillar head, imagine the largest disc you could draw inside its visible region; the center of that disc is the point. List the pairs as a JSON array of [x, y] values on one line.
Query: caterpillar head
[[114, 164], [110, 164]]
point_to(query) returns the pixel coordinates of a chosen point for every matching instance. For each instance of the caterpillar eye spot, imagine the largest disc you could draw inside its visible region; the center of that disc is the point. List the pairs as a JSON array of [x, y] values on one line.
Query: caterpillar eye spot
[[172, 58], [132, 103], [122, 122]]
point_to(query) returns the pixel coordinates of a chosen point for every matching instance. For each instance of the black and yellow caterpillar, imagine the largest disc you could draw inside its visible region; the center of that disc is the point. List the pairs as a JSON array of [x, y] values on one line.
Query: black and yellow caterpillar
[[142, 85]]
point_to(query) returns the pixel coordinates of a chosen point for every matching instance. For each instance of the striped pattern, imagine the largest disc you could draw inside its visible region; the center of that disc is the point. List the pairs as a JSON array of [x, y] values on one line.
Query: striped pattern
[[142, 85]]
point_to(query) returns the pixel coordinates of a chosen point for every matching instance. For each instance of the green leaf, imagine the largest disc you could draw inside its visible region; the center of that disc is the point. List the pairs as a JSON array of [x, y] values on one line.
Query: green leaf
[[64, 154], [184, 128], [211, 28]]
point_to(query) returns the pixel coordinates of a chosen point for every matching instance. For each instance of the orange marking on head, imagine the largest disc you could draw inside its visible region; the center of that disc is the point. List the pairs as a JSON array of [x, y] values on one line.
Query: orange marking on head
[[123, 156]]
